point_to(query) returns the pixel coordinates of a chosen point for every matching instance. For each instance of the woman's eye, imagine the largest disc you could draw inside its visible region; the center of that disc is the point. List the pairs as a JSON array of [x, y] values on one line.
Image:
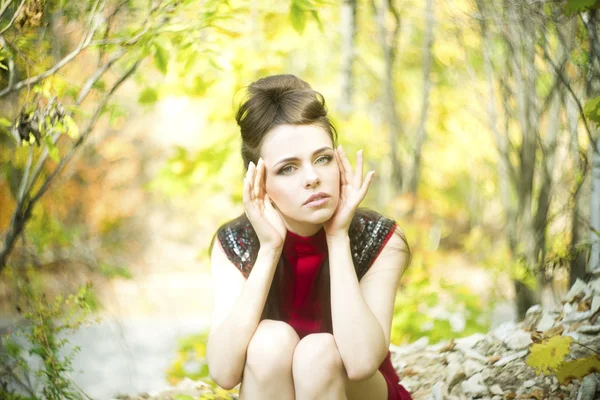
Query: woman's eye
[[284, 169], [289, 168], [326, 158]]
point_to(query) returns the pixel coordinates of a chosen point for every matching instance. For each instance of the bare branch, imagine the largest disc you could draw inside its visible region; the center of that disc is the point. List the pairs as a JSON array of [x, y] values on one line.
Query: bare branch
[[25, 176], [83, 136], [86, 39], [577, 102], [22, 212], [109, 21], [87, 86], [5, 7], [14, 17]]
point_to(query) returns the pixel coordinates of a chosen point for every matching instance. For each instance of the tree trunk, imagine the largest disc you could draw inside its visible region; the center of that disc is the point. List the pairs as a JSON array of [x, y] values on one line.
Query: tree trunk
[[593, 87], [594, 264], [580, 199], [348, 32], [388, 41], [421, 130]]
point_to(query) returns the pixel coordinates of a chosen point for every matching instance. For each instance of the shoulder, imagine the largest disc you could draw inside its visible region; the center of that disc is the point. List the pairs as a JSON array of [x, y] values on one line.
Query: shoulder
[[369, 222], [369, 233], [239, 243]]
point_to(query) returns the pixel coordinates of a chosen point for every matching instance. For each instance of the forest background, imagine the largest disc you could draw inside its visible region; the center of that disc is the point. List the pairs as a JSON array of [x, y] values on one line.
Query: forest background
[[120, 155]]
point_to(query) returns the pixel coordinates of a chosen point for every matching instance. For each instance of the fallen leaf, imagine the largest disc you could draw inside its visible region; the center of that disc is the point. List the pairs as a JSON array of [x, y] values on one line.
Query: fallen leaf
[[448, 347], [555, 331], [577, 369], [548, 355], [409, 372], [585, 305], [494, 358]]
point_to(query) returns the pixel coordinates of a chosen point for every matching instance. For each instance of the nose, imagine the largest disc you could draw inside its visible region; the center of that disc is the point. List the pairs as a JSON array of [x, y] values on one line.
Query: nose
[[311, 179]]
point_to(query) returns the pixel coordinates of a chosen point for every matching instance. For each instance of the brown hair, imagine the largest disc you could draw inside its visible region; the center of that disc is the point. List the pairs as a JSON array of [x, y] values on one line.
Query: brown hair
[[283, 100], [279, 100]]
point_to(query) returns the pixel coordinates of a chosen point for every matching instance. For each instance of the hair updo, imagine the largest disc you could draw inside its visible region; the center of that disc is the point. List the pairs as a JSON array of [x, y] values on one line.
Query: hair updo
[[279, 100]]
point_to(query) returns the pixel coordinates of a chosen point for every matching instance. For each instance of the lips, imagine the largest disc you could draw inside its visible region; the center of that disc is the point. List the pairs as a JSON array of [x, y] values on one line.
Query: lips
[[316, 196]]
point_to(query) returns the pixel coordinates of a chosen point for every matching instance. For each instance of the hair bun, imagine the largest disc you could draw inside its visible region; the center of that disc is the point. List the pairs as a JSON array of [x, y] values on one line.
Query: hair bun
[[278, 100], [278, 83]]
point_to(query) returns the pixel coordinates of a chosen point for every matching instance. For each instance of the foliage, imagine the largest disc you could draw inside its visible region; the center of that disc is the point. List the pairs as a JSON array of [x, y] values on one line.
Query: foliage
[[44, 325], [190, 362], [437, 310], [574, 6], [592, 109]]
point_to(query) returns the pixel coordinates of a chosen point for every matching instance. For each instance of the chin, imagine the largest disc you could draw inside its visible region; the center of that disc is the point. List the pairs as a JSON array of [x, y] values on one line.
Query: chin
[[321, 216]]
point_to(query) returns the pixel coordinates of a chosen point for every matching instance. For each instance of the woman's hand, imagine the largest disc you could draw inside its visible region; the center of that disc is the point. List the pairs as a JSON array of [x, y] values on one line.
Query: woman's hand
[[265, 219], [352, 191]]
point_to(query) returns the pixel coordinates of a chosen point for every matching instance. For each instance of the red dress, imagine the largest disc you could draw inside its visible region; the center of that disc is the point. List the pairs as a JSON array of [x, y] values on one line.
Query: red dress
[[301, 305]]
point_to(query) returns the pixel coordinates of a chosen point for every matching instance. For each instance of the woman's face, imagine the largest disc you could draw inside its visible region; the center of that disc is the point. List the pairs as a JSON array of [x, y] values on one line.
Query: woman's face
[[299, 162]]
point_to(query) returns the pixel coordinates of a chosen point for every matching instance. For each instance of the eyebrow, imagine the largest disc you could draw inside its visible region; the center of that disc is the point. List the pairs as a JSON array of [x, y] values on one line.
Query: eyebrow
[[322, 149]]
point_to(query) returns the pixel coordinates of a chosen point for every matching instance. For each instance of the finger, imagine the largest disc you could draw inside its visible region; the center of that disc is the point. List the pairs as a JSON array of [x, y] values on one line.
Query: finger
[[359, 169], [251, 173], [263, 179], [247, 180], [268, 203], [245, 192], [366, 184], [341, 167], [347, 165], [258, 179]]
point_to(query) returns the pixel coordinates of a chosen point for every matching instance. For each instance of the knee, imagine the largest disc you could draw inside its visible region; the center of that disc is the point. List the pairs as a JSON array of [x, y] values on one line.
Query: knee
[[317, 358], [271, 349]]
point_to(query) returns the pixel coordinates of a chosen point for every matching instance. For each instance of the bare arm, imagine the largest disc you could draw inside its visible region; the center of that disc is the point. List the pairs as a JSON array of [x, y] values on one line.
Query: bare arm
[[238, 306], [362, 311]]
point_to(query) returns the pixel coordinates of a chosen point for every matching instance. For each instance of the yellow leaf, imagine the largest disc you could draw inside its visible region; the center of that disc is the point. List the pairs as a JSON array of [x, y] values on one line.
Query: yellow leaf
[[222, 393], [72, 128], [577, 369], [548, 355]]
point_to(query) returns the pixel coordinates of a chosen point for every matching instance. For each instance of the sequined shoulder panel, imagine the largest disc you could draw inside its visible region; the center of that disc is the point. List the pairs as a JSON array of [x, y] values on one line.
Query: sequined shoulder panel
[[368, 232], [240, 243]]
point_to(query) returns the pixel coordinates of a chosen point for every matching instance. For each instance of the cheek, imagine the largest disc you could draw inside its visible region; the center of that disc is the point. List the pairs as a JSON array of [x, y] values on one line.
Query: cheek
[[274, 190]]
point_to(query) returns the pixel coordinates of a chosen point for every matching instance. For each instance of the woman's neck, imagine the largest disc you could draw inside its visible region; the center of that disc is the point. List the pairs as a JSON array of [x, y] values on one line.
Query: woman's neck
[[303, 229]]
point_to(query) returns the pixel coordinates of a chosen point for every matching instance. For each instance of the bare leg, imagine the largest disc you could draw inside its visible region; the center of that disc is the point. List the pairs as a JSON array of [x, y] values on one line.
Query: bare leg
[[268, 370], [318, 369]]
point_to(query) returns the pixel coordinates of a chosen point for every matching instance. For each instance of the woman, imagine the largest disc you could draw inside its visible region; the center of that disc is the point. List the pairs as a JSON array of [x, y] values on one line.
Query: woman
[[309, 316]]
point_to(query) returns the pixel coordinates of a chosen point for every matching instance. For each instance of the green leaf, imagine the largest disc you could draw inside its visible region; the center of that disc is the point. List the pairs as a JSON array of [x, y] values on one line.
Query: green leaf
[[183, 397], [298, 18], [148, 96], [52, 149], [12, 348], [319, 24], [591, 109], [304, 5], [161, 58], [574, 6], [5, 123]]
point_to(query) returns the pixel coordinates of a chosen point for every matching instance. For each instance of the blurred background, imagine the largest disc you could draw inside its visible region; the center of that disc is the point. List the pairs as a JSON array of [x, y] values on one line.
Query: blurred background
[[120, 157]]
